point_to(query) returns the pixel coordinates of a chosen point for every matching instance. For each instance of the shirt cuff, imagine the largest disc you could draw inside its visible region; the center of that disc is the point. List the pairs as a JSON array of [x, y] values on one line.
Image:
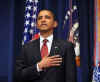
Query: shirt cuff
[[38, 69]]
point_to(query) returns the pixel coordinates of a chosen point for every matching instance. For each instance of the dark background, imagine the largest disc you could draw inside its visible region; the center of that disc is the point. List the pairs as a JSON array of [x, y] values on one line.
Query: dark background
[[11, 28]]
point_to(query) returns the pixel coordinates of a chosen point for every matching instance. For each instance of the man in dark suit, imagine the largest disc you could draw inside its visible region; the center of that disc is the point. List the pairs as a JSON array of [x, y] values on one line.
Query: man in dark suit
[[46, 59]]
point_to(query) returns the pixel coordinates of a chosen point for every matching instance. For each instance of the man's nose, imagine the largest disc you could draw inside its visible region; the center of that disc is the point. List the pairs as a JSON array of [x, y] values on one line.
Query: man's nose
[[43, 19]]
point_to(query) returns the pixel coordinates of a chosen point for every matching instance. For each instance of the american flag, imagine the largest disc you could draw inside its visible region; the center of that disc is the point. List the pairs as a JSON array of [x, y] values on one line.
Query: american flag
[[96, 73], [30, 30], [72, 22], [71, 26]]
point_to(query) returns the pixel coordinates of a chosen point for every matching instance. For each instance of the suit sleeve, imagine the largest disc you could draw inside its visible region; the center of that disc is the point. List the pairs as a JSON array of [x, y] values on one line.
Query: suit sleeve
[[70, 66], [23, 70]]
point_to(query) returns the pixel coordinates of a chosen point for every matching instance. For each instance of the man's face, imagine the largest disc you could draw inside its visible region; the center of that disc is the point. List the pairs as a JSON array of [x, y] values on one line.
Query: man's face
[[45, 21]]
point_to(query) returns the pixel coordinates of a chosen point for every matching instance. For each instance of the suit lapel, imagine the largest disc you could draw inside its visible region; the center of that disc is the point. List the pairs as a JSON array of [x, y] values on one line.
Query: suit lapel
[[53, 47], [56, 43]]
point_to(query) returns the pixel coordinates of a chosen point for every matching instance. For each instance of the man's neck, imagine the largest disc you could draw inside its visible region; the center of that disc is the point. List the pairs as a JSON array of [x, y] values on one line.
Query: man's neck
[[46, 34]]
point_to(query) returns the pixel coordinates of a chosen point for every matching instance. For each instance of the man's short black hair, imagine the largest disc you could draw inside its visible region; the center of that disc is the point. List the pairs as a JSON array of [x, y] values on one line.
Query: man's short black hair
[[53, 13]]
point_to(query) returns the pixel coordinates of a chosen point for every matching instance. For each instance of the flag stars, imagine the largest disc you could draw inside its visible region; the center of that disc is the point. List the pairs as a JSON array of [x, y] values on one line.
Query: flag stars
[[27, 22], [30, 19], [69, 13], [29, 7], [26, 30], [75, 26], [25, 38], [28, 15], [66, 17], [35, 8], [34, 16], [30, 0], [36, 1], [31, 31], [32, 24], [75, 7], [77, 34]]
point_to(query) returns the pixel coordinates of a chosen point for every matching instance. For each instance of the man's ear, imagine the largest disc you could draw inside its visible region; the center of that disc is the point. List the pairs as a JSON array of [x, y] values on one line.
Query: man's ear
[[55, 24]]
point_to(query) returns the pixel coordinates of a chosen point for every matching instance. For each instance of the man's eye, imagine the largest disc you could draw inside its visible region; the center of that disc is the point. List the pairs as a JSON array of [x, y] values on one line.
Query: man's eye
[[39, 18], [48, 17]]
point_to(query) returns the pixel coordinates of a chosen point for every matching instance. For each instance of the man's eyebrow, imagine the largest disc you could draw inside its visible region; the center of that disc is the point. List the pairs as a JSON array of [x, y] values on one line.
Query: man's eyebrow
[[39, 16], [45, 16]]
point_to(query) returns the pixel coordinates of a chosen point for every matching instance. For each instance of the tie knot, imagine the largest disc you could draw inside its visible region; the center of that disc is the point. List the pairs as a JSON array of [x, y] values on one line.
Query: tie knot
[[45, 41]]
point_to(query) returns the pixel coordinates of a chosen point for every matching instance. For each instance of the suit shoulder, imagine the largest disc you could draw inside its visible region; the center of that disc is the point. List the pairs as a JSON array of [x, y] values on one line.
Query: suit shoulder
[[65, 42], [30, 44]]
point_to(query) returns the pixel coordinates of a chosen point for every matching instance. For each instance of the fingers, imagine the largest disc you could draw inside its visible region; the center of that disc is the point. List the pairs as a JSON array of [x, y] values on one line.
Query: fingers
[[55, 56], [55, 65], [55, 60], [51, 61]]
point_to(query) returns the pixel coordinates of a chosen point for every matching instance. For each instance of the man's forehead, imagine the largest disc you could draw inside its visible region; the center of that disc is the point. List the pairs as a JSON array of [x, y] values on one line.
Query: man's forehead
[[45, 12]]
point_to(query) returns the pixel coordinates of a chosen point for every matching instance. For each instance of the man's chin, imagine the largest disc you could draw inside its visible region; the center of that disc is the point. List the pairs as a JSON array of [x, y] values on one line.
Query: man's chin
[[43, 30]]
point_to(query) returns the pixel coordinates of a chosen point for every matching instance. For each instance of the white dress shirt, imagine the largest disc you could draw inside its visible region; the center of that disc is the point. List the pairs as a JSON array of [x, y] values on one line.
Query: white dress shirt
[[49, 44]]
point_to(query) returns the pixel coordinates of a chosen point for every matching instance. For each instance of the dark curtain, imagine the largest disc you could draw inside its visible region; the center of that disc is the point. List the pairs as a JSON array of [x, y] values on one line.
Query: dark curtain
[[86, 38], [18, 21]]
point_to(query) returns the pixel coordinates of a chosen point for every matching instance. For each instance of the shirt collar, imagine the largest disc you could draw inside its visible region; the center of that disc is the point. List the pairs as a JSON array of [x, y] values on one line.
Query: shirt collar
[[49, 38]]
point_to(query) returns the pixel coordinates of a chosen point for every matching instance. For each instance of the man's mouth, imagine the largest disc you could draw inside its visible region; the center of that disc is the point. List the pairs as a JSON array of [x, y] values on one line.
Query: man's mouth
[[43, 24]]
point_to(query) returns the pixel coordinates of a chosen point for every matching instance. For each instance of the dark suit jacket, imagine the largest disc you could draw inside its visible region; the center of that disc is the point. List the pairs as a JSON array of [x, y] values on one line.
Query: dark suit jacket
[[26, 70]]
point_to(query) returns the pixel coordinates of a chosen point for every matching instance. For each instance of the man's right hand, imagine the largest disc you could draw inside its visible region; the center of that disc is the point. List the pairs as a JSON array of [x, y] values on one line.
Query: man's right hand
[[50, 61]]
